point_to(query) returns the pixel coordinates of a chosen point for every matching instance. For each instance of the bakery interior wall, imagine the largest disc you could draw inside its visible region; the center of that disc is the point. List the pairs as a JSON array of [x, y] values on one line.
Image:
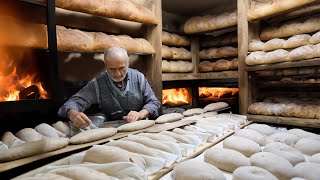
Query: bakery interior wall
[[68, 67], [190, 66]]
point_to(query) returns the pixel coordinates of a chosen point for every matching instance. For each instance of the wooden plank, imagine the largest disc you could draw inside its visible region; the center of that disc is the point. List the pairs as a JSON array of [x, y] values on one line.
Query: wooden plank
[[191, 76], [195, 54], [302, 63], [200, 150], [315, 123], [153, 63], [242, 54]]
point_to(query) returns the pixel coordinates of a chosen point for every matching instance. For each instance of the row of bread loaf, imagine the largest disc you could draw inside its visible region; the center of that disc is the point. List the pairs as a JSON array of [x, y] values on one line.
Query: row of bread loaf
[[220, 65], [279, 43], [289, 71], [258, 151], [291, 28], [265, 8], [76, 40], [292, 80], [221, 40], [176, 66], [172, 39], [175, 53], [282, 55], [119, 9], [285, 109], [199, 24], [219, 52]]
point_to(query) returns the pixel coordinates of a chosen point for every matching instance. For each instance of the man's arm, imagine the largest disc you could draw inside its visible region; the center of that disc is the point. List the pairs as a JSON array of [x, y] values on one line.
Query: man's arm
[[151, 103], [79, 102]]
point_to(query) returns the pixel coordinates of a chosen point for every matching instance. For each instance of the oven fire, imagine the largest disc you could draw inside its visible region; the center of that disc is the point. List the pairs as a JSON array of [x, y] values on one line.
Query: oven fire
[[217, 92], [176, 96]]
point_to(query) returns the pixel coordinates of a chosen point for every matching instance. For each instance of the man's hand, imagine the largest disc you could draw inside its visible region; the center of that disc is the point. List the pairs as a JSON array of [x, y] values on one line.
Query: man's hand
[[133, 116], [79, 119]]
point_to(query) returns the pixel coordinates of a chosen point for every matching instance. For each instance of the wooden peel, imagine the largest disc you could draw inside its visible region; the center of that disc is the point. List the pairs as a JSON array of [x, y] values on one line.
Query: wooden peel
[[168, 126]]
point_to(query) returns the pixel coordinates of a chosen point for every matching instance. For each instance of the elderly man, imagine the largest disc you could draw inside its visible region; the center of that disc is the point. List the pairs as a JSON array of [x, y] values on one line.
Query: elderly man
[[121, 92]]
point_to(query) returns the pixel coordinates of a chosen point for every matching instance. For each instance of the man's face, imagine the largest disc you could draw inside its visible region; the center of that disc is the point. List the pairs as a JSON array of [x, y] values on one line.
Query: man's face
[[117, 68]]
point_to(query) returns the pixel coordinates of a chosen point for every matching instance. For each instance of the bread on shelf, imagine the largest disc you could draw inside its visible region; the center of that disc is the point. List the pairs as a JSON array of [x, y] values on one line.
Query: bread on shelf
[[166, 52], [119, 9], [205, 66], [200, 24], [222, 40], [212, 53], [221, 65], [172, 39], [176, 66], [181, 53]]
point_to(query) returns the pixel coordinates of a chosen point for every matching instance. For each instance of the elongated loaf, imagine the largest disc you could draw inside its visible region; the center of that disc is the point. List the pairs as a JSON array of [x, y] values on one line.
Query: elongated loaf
[[223, 40], [166, 52], [172, 39], [181, 53], [212, 53], [205, 66], [119, 9]]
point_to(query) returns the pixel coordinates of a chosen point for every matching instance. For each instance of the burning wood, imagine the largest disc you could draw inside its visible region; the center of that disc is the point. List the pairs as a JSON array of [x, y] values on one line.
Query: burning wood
[[206, 92], [177, 96]]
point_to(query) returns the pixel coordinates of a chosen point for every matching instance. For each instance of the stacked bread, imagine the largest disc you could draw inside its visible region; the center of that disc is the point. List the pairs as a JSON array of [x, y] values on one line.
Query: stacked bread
[[289, 71], [175, 56], [222, 40], [264, 8], [279, 49], [200, 24], [288, 107]]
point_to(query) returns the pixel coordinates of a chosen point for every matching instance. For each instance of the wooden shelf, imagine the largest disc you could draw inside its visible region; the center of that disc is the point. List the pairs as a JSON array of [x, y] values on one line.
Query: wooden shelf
[[196, 76], [302, 63], [35, 2], [315, 123]]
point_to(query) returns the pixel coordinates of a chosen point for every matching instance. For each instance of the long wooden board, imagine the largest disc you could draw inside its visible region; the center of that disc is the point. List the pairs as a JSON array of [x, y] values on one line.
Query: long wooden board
[[196, 76]]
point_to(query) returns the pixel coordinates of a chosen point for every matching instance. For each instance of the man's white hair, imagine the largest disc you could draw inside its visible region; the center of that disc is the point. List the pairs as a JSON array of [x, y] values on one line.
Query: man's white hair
[[116, 51]]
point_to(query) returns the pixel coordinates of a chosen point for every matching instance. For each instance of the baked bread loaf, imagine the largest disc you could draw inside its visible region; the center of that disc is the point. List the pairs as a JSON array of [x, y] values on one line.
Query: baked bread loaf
[[301, 53], [315, 38], [165, 66], [256, 45], [119, 9], [259, 10], [274, 44], [221, 65], [297, 41], [256, 58], [279, 55], [234, 63], [291, 28], [212, 53], [206, 23], [181, 53], [166, 52], [205, 66], [222, 40], [172, 39]]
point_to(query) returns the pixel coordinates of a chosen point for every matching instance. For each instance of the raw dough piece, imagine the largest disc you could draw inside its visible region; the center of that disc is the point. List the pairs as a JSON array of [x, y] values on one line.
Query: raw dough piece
[[48, 131], [137, 125], [215, 106], [307, 170], [285, 151], [274, 44], [165, 118], [251, 134], [283, 137], [301, 53], [252, 173], [297, 41], [108, 154], [159, 137], [210, 114], [237, 143], [256, 45], [178, 137], [207, 137], [62, 127], [29, 135], [45, 177], [225, 159], [193, 111], [262, 128], [81, 173], [92, 135], [315, 158], [273, 163], [196, 170], [308, 146], [3, 147], [11, 140], [302, 133]]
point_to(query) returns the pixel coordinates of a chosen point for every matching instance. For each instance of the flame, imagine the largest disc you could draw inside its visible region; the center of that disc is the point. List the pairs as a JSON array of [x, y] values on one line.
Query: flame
[[177, 96], [217, 91]]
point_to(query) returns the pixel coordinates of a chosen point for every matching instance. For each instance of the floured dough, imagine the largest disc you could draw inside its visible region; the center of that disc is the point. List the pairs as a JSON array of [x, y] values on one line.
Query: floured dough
[[273, 163], [262, 128], [308, 146], [215, 106], [11, 140], [252, 173], [251, 134], [285, 151], [315, 158], [48, 131], [193, 111], [302, 133], [137, 125], [283, 137], [28, 135], [62, 127], [45, 177], [196, 170], [237, 143], [178, 137], [169, 117], [225, 159], [307, 170], [92, 135]]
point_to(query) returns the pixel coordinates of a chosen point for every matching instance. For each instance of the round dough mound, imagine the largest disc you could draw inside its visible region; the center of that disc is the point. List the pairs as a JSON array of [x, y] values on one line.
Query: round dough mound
[[273, 163], [246, 146], [308, 146], [262, 128], [251, 134], [315, 158], [196, 170], [307, 170], [225, 159], [287, 138], [252, 173]]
